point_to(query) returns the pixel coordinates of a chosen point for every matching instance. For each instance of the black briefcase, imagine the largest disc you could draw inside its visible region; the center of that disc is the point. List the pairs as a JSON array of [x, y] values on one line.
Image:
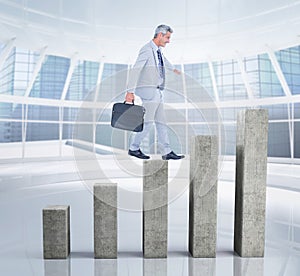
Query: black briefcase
[[128, 116]]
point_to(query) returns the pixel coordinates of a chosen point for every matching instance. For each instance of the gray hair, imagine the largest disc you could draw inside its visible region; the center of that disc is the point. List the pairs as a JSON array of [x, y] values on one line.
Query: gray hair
[[162, 29]]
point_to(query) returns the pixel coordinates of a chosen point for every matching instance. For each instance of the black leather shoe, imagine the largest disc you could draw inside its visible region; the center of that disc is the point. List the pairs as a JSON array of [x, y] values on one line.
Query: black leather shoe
[[138, 154], [172, 156]]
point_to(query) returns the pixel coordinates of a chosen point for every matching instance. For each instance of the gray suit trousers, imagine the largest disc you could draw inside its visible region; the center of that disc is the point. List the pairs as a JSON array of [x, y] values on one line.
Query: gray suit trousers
[[154, 114]]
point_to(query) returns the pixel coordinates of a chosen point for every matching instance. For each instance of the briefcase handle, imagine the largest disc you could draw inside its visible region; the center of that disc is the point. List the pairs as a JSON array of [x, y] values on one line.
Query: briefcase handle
[[129, 103]]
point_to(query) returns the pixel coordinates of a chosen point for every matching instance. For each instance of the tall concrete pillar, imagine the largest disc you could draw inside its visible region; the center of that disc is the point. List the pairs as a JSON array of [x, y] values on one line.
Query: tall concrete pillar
[[56, 231], [251, 174], [155, 209], [203, 196], [105, 221]]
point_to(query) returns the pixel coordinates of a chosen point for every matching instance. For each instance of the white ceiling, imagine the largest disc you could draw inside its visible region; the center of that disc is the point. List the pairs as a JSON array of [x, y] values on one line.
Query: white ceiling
[[114, 31]]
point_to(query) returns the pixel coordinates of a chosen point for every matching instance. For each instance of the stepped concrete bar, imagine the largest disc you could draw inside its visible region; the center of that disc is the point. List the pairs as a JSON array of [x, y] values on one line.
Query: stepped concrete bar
[[155, 209], [203, 196], [56, 231], [105, 221], [251, 174]]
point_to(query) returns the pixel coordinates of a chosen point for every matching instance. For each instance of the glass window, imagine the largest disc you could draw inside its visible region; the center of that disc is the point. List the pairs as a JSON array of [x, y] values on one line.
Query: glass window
[[297, 110], [108, 136], [114, 83], [10, 131], [278, 140], [47, 113], [198, 74], [270, 85], [51, 79], [10, 111], [277, 112], [70, 114], [83, 81], [67, 131], [297, 140], [177, 138], [289, 61], [230, 85], [42, 131]]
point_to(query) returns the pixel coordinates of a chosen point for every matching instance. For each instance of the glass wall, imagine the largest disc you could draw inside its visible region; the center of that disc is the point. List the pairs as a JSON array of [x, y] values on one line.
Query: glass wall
[[289, 60], [229, 81]]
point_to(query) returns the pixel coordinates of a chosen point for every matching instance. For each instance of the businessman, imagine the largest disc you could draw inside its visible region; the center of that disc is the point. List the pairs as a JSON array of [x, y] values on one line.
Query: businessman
[[147, 80]]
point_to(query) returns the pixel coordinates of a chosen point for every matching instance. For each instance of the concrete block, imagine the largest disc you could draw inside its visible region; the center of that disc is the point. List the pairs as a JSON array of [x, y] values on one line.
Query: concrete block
[[251, 175], [105, 221], [155, 209], [203, 196], [56, 232]]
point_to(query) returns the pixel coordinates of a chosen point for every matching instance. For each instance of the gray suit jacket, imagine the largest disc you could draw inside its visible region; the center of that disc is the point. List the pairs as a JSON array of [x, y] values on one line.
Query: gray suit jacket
[[144, 76]]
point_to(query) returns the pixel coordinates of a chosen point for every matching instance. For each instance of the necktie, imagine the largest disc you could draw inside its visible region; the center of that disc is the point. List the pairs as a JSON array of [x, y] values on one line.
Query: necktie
[[161, 68]]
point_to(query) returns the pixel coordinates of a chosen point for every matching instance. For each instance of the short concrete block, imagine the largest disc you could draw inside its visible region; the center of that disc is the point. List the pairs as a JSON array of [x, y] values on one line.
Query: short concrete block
[[251, 175], [105, 221], [203, 196], [56, 232], [155, 209]]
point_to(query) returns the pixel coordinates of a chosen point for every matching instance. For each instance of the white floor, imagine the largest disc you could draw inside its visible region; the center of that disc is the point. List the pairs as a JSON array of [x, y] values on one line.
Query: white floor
[[25, 188]]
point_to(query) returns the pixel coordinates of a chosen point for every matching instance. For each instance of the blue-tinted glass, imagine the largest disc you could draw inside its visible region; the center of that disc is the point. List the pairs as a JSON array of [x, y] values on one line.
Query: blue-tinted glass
[[297, 140], [10, 111], [297, 110], [278, 140], [67, 131], [230, 85], [42, 131], [289, 60], [10, 132], [47, 113], [103, 115], [177, 136], [230, 114], [83, 132], [51, 79], [175, 115], [83, 81], [70, 114], [201, 74], [277, 112], [7, 74], [113, 85], [107, 136]]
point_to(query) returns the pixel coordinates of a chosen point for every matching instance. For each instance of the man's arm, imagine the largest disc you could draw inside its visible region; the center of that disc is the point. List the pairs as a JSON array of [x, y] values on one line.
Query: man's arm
[[170, 66], [135, 73]]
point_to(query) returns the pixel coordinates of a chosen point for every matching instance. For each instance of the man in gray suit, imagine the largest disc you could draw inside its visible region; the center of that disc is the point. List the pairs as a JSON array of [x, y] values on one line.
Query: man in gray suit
[[147, 80]]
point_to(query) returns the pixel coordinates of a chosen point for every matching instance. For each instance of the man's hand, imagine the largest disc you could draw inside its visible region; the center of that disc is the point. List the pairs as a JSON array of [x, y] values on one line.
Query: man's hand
[[176, 71], [129, 97]]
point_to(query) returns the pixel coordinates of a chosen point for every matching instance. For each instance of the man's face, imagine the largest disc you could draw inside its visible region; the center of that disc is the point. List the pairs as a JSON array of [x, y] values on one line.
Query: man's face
[[164, 39]]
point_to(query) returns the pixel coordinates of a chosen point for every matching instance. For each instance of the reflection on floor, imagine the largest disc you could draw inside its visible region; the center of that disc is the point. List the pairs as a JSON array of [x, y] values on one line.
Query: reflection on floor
[[26, 188]]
